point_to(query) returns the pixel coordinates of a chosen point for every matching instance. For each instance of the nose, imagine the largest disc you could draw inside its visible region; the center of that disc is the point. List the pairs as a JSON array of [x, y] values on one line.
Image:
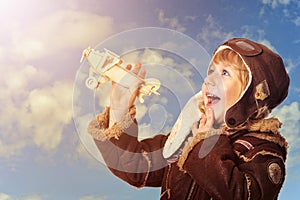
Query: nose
[[209, 80]]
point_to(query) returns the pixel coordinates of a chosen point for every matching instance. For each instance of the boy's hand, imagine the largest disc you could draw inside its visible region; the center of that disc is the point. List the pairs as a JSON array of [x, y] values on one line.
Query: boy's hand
[[206, 122], [123, 97]]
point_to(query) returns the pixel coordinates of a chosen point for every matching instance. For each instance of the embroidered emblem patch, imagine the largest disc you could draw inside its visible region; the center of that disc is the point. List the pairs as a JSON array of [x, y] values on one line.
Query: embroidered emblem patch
[[275, 173], [262, 91]]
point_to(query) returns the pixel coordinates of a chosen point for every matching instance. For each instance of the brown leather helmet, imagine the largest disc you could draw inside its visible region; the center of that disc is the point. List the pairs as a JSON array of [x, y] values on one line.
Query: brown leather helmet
[[268, 80]]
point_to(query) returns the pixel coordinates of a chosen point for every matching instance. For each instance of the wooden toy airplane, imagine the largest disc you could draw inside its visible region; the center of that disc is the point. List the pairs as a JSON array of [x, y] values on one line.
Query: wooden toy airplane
[[107, 65]]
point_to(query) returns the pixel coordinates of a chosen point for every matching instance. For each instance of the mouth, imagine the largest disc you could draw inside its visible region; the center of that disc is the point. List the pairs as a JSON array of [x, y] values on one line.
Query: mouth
[[212, 99]]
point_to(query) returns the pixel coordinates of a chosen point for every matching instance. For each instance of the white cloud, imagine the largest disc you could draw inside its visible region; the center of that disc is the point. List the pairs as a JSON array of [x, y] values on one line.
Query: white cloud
[[293, 160], [46, 112], [167, 68], [158, 116], [32, 197], [268, 44], [289, 115], [15, 87], [172, 23], [284, 2], [4, 196], [32, 112], [211, 32], [191, 18], [262, 12], [8, 150], [61, 31], [141, 110], [103, 94], [290, 65], [35, 117], [275, 3], [89, 153], [91, 197], [86, 149], [18, 78], [287, 8], [297, 21]]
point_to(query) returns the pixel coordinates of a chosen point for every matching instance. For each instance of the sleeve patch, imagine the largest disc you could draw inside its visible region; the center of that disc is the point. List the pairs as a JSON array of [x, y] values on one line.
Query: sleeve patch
[[245, 143], [275, 173]]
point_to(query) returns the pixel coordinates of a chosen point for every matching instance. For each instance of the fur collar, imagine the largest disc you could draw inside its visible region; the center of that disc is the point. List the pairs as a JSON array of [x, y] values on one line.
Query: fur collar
[[266, 129]]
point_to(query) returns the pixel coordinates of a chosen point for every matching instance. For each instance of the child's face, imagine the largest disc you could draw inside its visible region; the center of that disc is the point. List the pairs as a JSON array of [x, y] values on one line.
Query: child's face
[[221, 89]]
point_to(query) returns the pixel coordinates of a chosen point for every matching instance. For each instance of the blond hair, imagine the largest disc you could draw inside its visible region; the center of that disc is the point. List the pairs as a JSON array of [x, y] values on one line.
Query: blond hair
[[232, 59]]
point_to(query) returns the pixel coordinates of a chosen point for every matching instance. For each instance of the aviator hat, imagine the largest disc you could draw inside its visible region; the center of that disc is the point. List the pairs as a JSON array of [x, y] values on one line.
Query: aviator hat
[[268, 80]]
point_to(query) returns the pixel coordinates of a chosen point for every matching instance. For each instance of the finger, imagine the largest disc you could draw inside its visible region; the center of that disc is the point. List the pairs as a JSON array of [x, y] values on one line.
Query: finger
[[209, 117], [138, 64], [202, 121], [128, 67], [137, 68], [113, 84], [142, 73], [195, 128]]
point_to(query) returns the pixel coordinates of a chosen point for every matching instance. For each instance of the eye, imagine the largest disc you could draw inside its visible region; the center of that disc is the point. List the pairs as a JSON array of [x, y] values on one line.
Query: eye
[[225, 73], [210, 70]]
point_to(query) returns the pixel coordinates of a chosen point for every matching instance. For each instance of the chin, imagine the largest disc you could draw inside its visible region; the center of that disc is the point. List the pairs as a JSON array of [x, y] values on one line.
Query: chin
[[219, 113]]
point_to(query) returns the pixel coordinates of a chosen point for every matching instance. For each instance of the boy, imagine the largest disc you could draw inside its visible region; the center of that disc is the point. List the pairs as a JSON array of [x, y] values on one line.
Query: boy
[[234, 151]]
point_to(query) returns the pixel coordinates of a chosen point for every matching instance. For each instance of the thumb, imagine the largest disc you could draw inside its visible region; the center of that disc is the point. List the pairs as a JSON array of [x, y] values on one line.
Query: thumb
[[209, 117]]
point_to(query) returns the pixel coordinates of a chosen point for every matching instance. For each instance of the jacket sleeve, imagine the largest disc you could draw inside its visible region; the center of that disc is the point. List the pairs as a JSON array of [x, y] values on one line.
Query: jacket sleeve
[[224, 174], [139, 163]]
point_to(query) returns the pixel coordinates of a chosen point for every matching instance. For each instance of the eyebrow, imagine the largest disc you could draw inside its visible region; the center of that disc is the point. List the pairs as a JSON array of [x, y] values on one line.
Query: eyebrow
[[231, 67], [225, 66]]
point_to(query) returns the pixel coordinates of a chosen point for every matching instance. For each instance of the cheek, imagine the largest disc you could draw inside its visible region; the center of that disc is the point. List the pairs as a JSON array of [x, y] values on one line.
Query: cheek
[[230, 97], [203, 87], [232, 94]]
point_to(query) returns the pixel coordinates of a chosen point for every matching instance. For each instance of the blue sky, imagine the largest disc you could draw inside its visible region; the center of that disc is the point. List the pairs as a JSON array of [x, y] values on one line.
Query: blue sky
[[41, 155]]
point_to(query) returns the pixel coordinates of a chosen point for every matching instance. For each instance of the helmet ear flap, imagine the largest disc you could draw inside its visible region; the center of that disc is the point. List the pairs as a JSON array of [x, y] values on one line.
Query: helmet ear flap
[[261, 113]]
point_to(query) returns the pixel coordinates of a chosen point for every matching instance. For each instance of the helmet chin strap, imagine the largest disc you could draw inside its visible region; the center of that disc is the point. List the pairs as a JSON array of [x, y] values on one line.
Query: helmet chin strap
[[189, 114]]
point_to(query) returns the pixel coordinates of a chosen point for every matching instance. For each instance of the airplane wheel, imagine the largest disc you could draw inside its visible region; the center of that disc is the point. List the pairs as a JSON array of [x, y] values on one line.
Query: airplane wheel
[[91, 83]]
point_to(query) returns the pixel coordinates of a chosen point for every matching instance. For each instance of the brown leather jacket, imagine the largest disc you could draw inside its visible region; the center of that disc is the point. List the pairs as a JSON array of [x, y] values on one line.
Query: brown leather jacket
[[244, 165]]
